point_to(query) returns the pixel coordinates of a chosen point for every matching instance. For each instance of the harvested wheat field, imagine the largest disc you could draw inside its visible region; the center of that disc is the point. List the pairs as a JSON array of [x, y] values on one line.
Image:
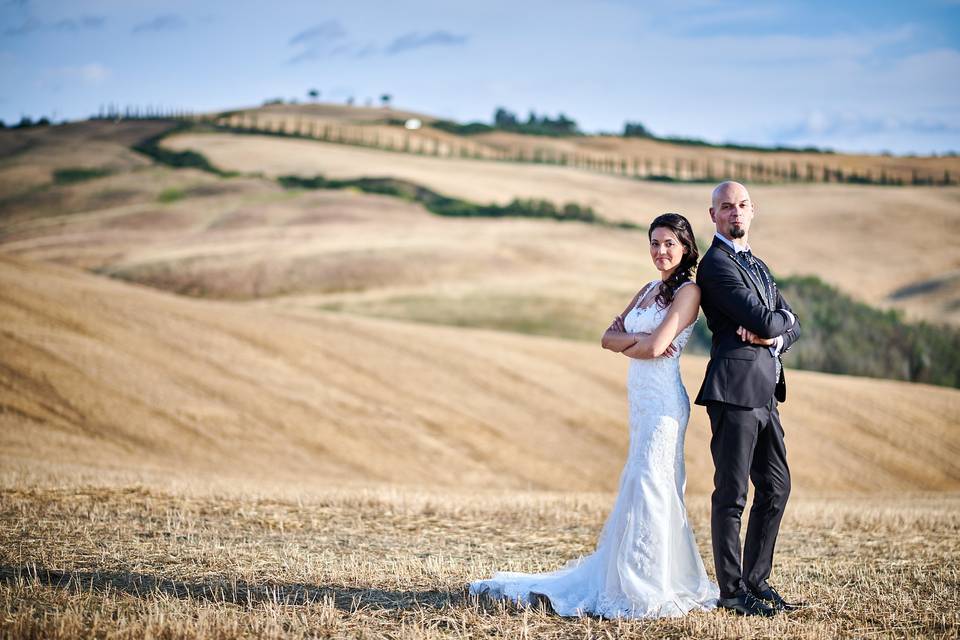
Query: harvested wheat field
[[188, 562], [849, 235]]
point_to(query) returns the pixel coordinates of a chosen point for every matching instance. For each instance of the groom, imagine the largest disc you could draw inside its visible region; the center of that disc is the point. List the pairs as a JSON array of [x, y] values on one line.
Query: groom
[[752, 327]]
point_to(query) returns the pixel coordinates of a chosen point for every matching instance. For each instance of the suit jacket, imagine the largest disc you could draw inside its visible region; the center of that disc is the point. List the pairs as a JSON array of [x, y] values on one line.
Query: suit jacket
[[740, 373]]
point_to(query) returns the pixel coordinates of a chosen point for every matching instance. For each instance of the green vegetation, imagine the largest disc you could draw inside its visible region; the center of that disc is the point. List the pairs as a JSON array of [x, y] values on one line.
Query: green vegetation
[[27, 122], [69, 175], [455, 207], [534, 125], [456, 128], [697, 142], [177, 159], [504, 120], [170, 195], [841, 335]]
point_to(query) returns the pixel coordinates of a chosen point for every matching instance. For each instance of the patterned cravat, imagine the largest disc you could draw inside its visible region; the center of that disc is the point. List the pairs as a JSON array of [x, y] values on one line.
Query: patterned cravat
[[748, 262]]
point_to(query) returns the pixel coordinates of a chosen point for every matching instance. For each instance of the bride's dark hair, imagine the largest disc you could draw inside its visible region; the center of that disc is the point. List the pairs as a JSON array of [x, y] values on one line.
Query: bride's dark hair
[[688, 264]]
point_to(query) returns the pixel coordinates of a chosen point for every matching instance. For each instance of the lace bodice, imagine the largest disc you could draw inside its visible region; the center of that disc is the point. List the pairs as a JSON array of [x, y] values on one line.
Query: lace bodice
[[655, 384], [647, 319]]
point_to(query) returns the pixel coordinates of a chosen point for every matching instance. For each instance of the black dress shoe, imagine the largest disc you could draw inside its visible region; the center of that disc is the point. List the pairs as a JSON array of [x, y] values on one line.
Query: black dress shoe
[[775, 600], [746, 604]]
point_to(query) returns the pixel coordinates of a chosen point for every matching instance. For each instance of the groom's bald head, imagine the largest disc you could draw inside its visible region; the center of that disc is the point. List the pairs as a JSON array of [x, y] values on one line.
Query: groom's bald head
[[731, 210], [730, 190]]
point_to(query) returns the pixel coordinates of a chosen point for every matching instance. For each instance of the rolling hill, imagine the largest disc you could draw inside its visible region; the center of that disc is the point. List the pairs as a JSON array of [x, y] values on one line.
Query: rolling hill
[[111, 376], [848, 235]]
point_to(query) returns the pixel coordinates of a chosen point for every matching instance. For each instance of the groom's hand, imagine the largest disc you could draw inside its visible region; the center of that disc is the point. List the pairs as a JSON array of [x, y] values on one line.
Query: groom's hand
[[749, 337]]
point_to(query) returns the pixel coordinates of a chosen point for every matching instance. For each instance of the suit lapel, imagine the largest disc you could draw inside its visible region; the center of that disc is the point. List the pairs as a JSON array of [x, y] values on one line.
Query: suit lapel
[[722, 246]]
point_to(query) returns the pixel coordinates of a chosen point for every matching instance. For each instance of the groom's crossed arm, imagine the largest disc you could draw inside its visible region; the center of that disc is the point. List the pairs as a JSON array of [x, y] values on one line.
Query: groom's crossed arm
[[732, 297]]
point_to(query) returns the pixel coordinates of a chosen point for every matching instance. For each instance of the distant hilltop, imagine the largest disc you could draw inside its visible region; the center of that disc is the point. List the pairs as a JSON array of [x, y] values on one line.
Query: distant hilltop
[[541, 140], [635, 153]]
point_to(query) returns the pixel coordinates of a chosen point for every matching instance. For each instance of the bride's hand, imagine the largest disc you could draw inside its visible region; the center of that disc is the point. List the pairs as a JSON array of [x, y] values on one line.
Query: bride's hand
[[617, 325], [669, 352]]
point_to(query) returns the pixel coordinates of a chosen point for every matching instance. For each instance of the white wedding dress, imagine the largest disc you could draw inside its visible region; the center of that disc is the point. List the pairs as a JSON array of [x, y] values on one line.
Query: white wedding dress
[[646, 564]]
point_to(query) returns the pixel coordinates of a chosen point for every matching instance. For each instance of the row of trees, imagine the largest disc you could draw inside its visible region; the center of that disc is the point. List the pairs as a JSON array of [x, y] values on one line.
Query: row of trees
[[694, 167], [313, 95], [505, 120], [112, 111], [26, 122], [534, 124]]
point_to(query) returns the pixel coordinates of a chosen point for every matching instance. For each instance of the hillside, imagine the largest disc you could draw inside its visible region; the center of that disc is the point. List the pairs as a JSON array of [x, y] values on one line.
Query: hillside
[[244, 238], [30, 156], [99, 374], [848, 235], [860, 254]]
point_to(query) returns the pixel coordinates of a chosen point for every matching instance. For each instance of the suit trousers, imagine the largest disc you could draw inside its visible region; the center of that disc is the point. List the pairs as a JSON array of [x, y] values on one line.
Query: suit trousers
[[746, 443]]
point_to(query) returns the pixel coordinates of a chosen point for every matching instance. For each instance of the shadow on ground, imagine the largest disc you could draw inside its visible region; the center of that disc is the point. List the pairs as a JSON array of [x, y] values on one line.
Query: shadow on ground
[[234, 591]]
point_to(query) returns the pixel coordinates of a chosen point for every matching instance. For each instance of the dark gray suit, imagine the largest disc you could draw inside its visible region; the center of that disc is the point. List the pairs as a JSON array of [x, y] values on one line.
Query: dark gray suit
[[740, 390]]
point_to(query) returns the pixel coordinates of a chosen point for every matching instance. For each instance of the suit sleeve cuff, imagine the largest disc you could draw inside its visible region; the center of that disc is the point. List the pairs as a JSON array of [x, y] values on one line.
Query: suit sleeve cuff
[[777, 346]]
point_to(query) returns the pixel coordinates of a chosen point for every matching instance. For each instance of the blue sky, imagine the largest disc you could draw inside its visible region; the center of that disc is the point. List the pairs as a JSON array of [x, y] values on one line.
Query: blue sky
[[854, 76]]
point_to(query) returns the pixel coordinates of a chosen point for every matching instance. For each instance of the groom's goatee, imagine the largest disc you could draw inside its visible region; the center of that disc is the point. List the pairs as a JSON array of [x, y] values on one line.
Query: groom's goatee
[[737, 232]]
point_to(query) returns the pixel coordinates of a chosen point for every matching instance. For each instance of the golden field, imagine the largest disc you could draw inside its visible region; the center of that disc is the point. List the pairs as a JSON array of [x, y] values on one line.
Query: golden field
[[182, 562], [233, 410]]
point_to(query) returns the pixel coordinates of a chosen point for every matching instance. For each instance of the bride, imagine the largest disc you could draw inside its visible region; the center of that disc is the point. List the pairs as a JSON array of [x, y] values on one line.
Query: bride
[[646, 563]]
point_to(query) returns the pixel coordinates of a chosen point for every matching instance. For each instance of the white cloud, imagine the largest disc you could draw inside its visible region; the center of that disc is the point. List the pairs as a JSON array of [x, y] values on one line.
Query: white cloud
[[92, 74], [322, 33], [416, 40], [165, 22], [31, 24]]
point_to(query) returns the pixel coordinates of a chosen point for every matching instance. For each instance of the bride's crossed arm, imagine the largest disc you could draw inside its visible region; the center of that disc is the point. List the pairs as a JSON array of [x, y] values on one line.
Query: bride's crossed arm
[[616, 338], [682, 313]]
